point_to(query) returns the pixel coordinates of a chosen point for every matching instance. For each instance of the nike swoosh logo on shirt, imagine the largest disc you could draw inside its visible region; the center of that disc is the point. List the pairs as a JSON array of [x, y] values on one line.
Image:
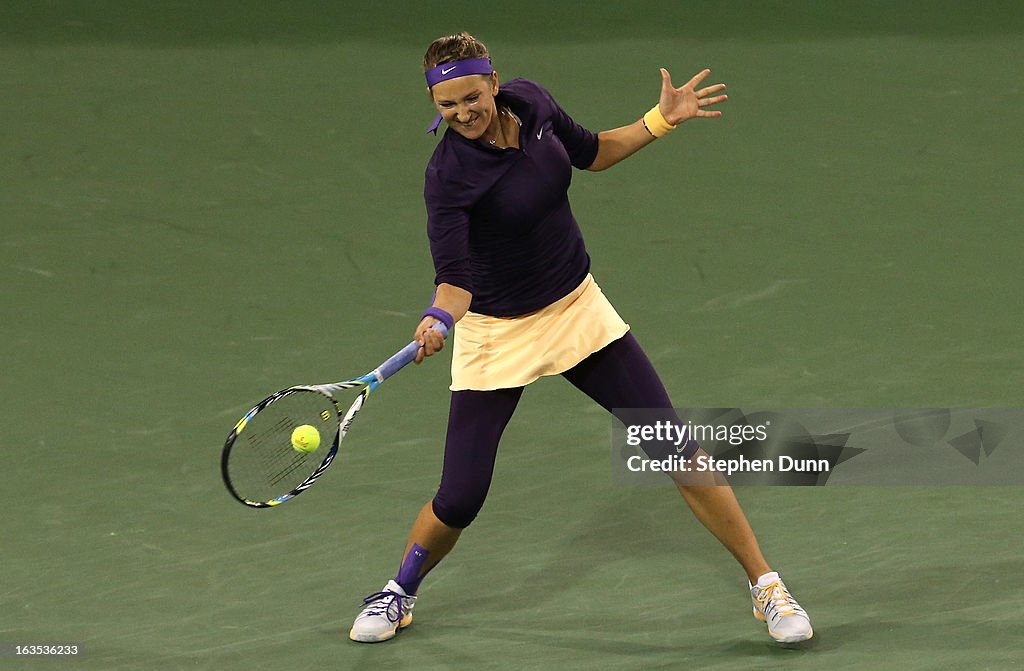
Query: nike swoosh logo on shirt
[[444, 72], [539, 133]]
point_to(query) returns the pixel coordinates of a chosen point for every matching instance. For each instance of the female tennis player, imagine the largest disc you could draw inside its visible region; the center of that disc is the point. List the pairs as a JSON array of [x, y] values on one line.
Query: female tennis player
[[513, 272]]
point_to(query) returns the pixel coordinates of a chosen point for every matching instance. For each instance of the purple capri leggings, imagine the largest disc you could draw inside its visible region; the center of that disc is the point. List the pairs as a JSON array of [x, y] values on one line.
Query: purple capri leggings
[[618, 376]]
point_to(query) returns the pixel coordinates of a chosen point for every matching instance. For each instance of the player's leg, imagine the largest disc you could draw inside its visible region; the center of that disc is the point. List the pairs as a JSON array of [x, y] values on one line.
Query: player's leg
[[621, 376], [475, 424], [476, 421]]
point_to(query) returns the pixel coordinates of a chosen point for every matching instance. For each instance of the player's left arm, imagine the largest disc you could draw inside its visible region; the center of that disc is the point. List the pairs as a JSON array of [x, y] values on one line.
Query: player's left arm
[[676, 105]]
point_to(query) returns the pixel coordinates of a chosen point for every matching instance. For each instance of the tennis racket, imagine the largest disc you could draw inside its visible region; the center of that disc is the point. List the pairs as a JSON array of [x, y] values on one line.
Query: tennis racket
[[260, 466]]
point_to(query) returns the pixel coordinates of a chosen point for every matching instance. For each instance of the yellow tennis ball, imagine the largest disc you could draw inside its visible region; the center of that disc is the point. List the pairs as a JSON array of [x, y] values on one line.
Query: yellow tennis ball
[[305, 438]]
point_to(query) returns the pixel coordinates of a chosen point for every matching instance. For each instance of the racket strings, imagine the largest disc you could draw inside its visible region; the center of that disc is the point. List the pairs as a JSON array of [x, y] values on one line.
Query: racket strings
[[274, 450], [263, 465]]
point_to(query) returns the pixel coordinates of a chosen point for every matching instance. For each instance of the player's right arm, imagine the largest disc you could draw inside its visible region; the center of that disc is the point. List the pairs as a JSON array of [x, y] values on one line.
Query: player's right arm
[[449, 199]]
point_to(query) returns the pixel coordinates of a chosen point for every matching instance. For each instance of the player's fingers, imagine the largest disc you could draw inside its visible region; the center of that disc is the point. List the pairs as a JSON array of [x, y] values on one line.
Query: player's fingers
[[434, 343], [708, 90], [666, 80], [422, 328], [704, 102], [697, 79]]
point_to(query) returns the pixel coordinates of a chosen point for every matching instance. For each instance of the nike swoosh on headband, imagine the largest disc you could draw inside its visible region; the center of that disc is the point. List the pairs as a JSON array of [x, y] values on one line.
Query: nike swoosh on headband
[[451, 70]]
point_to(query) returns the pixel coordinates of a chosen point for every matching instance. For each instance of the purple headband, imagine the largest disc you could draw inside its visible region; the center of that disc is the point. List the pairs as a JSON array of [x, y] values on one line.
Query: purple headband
[[446, 71]]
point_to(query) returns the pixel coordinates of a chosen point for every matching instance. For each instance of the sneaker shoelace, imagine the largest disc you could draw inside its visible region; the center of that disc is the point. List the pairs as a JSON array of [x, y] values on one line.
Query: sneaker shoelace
[[386, 603], [775, 599]]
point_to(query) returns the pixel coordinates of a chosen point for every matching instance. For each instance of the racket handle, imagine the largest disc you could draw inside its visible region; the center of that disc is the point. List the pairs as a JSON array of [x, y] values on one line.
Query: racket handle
[[403, 357]]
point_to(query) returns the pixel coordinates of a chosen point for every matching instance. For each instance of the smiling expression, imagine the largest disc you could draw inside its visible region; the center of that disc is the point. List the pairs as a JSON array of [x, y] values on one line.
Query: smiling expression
[[467, 105]]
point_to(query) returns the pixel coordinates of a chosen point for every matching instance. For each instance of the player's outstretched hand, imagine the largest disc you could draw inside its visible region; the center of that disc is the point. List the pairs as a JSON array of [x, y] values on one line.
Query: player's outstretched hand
[[686, 102]]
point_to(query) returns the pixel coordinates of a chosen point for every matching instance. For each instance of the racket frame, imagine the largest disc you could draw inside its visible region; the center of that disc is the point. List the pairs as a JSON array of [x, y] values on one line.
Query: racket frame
[[368, 384]]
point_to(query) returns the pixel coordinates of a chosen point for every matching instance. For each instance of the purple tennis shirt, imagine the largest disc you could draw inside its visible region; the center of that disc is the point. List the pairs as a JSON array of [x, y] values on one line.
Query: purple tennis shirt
[[498, 220]]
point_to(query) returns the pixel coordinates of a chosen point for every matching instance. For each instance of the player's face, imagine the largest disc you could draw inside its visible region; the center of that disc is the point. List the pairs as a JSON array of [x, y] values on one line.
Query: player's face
[[467, 104]]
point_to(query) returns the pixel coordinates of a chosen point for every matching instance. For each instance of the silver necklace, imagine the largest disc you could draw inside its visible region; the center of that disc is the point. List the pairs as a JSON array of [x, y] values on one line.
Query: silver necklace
[[502, 111]]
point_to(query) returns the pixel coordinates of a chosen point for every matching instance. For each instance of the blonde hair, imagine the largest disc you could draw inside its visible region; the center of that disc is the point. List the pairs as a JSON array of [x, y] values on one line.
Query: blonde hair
[[451, 48]]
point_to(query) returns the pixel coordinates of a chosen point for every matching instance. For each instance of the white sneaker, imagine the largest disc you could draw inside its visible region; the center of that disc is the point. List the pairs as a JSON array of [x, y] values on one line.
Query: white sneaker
[[787, 621], [385, 613]]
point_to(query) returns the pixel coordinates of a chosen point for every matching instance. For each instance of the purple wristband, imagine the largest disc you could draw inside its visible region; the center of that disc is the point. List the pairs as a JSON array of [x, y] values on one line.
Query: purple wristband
[[440, 315]]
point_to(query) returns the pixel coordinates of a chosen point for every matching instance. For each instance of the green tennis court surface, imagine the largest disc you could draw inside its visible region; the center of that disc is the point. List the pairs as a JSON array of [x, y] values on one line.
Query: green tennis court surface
[[201, 204]]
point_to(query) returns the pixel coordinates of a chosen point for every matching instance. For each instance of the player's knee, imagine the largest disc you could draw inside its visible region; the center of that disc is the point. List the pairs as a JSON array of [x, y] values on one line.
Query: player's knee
[[456, 511]]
